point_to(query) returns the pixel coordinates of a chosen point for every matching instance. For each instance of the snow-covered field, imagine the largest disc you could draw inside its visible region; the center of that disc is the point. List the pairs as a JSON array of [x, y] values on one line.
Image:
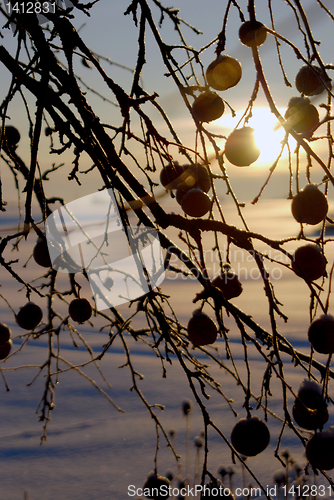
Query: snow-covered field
[[93, 451]]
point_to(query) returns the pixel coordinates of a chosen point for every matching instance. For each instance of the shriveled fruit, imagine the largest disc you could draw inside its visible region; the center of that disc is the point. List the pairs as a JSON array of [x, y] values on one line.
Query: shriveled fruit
[[309, 262], [80, 310], [5, 333], [223, 73], [29, 316], [195, 203], [201, 329], [240, 147], [321, 334], [310, 409], [250, 436], [301, 115], [229, 284], [310, 205], [170, 175], [309, 80], [5, 349], [320, 449], [12, 136], [41, 253], [208, 106], [155, 487], [252, 33]]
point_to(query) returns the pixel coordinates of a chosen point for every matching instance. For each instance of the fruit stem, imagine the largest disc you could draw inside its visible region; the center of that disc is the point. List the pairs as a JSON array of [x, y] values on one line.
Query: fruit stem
[[251, 10], [187, 444]]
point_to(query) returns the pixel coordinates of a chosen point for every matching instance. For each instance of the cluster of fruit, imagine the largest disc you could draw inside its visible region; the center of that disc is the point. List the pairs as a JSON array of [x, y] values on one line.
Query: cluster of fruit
[[250, 436], [301, 115], [310, 408], [201, 329], [79, 309], [30, 315], [221, 74], [309, 206], [191, 182], [225, 72], [310, 412]]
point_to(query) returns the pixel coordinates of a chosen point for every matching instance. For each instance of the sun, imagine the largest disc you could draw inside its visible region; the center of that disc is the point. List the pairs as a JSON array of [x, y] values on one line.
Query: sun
[[268, 135]]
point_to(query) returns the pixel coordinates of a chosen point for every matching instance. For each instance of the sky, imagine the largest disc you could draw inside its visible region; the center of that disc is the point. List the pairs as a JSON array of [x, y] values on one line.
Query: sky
[[74, 458], [111, 34]]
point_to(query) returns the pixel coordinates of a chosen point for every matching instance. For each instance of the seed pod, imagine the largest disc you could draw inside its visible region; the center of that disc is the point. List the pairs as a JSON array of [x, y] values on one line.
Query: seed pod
[[198, 442], [186, 406]]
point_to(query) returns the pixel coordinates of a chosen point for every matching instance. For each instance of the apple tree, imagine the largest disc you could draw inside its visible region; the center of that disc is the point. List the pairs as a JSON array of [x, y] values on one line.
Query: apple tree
[[172, 187]]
